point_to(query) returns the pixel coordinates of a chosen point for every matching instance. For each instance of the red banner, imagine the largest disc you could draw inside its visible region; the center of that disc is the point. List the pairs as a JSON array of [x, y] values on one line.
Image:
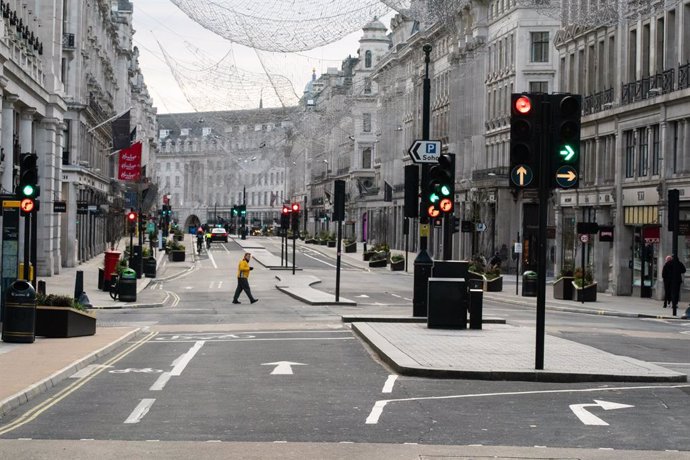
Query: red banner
[[130, 163]]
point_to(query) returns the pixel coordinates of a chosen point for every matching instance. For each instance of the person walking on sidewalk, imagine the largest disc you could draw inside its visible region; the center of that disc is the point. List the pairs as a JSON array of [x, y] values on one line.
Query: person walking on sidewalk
[[243, 279], [672, 274]]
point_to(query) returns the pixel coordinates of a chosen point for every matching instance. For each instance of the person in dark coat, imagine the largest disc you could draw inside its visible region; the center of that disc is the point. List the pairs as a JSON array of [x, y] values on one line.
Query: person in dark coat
[[673, 272]]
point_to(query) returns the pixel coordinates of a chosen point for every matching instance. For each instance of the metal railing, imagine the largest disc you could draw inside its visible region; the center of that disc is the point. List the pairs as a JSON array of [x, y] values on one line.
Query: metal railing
[[654, 85], [596, 102]]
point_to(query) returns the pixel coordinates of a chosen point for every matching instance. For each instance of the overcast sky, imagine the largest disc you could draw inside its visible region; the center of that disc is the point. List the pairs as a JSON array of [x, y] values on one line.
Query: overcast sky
[[159, 21]]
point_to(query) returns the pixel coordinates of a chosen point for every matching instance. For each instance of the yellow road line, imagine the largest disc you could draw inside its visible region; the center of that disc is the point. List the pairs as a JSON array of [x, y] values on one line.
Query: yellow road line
[[39, 409]]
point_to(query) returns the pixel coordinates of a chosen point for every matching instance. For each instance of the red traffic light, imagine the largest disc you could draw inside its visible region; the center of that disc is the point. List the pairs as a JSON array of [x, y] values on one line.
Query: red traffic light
[[132, 216], [27, 205], [286, 210], [295, 207], [523, 105]]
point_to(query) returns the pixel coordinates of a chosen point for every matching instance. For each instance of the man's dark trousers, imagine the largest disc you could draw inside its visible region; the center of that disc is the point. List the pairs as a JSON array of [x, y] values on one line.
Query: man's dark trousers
[[242, 285]]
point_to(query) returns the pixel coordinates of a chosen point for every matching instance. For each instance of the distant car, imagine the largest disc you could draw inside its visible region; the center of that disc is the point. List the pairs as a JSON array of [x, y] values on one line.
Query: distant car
[[219, 234]]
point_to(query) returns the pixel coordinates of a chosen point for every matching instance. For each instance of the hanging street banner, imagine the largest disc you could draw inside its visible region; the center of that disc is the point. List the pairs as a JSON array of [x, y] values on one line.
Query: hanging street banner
[[130, 163]]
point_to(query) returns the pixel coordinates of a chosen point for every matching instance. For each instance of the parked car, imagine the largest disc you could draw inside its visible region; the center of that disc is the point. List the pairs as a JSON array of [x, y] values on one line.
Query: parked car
[[219, 234]]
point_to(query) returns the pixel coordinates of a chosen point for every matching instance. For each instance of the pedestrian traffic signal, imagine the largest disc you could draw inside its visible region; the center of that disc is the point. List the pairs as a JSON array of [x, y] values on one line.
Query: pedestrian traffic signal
[[566, 111], [28, 176], [440, 189], [525, 127]]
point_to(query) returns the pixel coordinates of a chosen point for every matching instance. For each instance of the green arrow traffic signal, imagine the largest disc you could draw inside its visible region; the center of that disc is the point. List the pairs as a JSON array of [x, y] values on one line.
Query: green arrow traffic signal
[[567, 153]]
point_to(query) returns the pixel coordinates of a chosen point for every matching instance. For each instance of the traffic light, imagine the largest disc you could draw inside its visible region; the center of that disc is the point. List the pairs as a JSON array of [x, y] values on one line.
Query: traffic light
[[28, 177], [234, 212], [285, 217], [525, 128], [440, 189], [566, 110], [27, 206], [132, 219], [295, 218], [242, 210]]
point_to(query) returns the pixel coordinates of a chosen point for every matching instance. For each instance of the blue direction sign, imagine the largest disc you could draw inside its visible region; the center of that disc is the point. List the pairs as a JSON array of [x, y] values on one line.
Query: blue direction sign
[[566, 176], [522, 175]]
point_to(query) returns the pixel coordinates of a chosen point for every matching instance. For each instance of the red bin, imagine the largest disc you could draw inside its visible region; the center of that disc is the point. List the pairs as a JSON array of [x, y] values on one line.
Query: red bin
[[110, 264]]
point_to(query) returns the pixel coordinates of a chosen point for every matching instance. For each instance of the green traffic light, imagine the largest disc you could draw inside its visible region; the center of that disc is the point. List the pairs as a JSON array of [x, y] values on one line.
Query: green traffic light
[[434, 198], [445, 190], [28, 190], [567, 152]]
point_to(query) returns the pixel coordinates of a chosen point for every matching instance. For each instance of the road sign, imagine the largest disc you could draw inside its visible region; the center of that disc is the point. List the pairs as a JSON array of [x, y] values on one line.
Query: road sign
[[481, 226], [425, 151], [518, 248], [522, 175], [566, 176], [584, 238]]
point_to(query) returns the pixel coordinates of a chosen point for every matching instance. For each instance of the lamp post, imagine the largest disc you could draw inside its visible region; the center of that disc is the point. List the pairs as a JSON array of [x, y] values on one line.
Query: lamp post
[[423, 262]]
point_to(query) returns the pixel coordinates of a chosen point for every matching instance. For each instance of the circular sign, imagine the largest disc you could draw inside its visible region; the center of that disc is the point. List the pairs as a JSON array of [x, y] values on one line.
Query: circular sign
[[566, 176], [584, 238], [522, 175], [27, 204]]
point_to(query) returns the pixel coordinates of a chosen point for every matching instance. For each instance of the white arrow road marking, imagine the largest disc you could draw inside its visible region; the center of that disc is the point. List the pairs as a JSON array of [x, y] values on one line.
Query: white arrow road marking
[[141, 410], [178, 366], [590, 419], [283, 367]]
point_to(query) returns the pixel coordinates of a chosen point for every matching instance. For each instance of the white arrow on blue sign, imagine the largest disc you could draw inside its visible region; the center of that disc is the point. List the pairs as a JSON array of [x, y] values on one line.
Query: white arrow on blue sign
[[425, 151]]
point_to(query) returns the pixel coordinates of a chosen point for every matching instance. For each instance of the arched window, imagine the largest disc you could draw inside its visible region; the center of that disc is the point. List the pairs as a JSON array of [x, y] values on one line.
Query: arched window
[[367, 59]]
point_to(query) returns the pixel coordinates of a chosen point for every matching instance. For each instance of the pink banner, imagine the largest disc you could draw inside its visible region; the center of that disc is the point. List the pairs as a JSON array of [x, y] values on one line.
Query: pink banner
[[130, 163]]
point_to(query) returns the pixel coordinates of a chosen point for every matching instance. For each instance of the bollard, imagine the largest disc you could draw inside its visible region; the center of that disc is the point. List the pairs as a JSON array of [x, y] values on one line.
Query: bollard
[[447, 303], [476, 308], [41, 287], [78, 284]]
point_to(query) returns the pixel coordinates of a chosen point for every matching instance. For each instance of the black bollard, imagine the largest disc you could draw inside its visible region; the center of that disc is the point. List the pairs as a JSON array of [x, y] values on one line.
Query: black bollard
[[78, 284]]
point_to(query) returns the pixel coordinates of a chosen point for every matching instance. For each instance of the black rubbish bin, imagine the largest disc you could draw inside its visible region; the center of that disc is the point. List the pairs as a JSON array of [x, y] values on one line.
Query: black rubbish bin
[[101, 276], [447, 303], [19, 321], [128, 286], [150, 267], [529, 284]]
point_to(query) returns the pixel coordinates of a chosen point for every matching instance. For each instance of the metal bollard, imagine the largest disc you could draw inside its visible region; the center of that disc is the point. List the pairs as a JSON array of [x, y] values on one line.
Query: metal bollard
[[476, 308]]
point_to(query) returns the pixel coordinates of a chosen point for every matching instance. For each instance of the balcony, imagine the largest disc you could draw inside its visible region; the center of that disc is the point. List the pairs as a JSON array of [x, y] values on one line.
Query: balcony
[[597, 102], [648, 87]]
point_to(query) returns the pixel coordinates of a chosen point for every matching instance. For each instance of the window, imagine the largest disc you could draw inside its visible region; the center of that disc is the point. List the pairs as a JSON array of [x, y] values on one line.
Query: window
[[367, 86], [366, 158], [539, 47], [177, 181], [629, 137], [539, 87], [643, 165], [164, 133], [366, 122], [367, 59], [167, 166], [656, 153], [184, 132]]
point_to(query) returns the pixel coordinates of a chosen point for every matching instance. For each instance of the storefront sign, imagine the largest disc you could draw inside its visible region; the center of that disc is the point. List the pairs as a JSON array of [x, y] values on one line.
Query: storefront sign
[[59, 206], [606, 234], [684, 227], [82, 207], [650, 234]]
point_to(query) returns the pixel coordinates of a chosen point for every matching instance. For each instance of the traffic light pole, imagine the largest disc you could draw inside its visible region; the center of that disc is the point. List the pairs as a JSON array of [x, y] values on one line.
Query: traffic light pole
[[27, 245], [423, 262], [544, 188], [243, 217]]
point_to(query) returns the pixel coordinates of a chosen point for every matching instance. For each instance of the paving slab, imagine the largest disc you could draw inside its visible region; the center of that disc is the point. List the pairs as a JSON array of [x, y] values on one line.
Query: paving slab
[[268, 260], [501, 352]]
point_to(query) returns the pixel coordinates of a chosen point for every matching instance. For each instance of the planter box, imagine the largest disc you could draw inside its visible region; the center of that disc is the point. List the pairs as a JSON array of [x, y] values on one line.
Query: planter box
[[367, 255], [176, 256], [61, 322], [585, 294], [323, 242], [331, 244], [378, 263], [310, 241], [563, 288], [350, 248], [494, 285], [475, 280], [398, 266]]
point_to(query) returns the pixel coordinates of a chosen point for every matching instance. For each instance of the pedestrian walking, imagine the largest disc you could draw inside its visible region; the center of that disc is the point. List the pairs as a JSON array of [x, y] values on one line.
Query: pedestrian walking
[[243, 280], [672, 274]]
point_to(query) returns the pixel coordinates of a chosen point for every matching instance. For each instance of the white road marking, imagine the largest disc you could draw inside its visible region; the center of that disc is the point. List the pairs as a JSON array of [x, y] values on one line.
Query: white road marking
[[213, 261], [283, 367], [181, 362], [396, 295], [405, 298], [210, 285], [220, 284], [159, 384], [319, 260], [388, 386], [140, 411], [287, 339], [590, 419], [376, 411], [363, 295], [88, 370]]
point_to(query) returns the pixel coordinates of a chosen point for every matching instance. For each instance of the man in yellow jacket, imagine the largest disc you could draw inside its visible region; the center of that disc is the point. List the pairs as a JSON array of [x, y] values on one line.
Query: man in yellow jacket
[[243, 279]]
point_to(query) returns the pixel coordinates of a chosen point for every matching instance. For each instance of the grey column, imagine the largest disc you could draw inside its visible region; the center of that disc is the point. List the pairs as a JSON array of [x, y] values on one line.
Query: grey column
[[47, 242], [7, 142]]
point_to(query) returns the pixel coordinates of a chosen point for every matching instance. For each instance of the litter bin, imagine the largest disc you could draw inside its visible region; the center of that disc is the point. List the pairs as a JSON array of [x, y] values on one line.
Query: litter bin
[[150, 267], [529, 284], [447, 303], [110, 265], [128, 286], [19, 321]]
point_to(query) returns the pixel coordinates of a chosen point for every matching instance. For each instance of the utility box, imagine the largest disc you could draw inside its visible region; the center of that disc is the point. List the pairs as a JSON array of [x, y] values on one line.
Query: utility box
[[447, 300]]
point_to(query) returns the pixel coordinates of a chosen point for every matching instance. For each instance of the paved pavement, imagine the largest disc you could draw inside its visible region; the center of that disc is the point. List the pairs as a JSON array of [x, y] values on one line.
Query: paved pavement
[[412, 348]]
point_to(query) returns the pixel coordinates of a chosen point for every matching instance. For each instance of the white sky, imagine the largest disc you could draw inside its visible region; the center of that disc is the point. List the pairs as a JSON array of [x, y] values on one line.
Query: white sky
[[161, 21]]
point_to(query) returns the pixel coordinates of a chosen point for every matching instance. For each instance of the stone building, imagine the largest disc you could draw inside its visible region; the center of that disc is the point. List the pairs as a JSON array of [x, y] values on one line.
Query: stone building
[[209, 162]]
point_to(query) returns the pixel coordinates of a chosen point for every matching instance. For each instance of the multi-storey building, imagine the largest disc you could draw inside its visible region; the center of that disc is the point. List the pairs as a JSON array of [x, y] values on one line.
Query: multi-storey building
[[630, 62], [209, 162], [67, 69]]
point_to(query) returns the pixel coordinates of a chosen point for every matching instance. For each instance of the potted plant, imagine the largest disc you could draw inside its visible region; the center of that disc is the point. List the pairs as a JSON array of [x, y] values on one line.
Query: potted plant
[[563, 286], [178, 235], [584, 285], [323, 238], [367, 255], [493, 281], [176, 251], [397, 262], [60, 316], [308, 239], [378, 259], [330, 240], [351, 245]]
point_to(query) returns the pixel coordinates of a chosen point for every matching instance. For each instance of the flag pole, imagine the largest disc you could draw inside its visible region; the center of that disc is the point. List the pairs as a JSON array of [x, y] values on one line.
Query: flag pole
[[109, 119]]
